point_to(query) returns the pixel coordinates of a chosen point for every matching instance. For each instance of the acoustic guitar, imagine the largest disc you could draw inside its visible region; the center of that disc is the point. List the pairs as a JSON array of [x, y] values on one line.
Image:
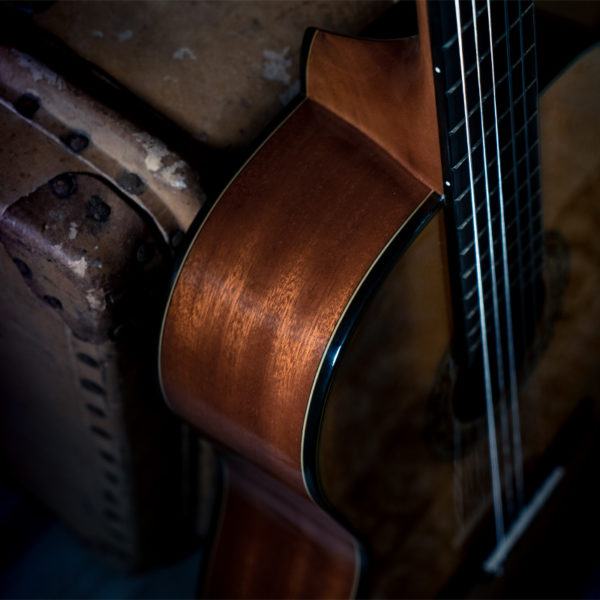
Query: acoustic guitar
[[378, 325]]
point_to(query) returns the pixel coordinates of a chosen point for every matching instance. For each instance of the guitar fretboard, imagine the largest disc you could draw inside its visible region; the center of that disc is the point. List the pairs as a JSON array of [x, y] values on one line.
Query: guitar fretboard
[[487, 102]]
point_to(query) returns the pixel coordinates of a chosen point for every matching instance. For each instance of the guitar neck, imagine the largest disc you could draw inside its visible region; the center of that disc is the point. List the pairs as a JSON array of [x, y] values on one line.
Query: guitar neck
[[486, 87]]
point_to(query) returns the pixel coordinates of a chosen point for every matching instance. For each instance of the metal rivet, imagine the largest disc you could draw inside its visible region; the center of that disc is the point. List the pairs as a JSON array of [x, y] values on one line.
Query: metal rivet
[[53, 302], [144, 253], [64, 185], [27, 105], [97, 209], [88, 360], [100, 432], [108, 457], [77, 141], [92, 386], [23, 268], [95, 410], [131, 183]]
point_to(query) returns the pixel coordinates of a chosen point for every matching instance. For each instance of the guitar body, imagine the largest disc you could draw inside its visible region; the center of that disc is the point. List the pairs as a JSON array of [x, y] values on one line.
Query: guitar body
[[326, 250], [310, 332]]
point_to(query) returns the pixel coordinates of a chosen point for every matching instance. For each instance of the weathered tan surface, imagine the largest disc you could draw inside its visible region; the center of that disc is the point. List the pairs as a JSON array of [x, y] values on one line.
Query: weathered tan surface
[[85, 257], [81, 423], [221, 70], [138, 164]]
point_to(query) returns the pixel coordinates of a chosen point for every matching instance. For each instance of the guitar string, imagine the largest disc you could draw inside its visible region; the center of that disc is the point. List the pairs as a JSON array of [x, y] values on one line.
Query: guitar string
[[512, 373], [493, 448], [515, 195], [500, 373], [539, 232], [534, 292]]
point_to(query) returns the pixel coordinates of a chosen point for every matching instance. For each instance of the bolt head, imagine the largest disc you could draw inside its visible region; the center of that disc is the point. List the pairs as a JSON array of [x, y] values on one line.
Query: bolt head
[[76, 141], [98, 210], [27, 105], [64, 185]]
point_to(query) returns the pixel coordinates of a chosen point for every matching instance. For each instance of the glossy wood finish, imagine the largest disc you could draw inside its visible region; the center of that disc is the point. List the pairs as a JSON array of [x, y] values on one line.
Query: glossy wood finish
[[251, 317], [252, 313], [261, 524], [385, 89]]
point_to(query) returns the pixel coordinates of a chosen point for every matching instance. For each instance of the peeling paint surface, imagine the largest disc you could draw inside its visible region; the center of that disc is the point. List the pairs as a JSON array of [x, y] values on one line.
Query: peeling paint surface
[[95, 299], [276, 65], [38, 71], [155, 150], [72, 230], [173, 176], [79, 267], [156, 153]]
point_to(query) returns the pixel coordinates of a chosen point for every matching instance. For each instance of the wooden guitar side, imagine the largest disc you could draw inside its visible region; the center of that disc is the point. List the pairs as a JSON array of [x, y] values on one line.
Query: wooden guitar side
[[265, 296], [269, 276]]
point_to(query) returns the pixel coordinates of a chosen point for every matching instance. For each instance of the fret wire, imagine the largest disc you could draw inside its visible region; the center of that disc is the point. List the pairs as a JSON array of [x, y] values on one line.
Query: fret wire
[[454, 38], [455, 85], [521, 96], [536, 237], [531, 279], [504, 148], [491, 130], [464, 29], [514, 279], [473, 110], [529, 233], [511, 245], [493, 449], [507, 175]]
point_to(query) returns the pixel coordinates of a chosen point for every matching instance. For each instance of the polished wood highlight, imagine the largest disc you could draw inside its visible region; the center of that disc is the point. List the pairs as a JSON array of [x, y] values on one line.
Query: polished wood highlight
[[385, 89], [262, 523], [250, 319]]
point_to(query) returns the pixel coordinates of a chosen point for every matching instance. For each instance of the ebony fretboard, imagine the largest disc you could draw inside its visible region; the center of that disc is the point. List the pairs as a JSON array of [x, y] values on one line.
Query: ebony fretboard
[[514, 121]]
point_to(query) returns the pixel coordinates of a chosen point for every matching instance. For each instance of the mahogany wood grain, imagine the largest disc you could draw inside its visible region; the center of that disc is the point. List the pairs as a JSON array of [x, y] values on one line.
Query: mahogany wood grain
[[268, 277], [250, 319], [385, 89], [262, 523]]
